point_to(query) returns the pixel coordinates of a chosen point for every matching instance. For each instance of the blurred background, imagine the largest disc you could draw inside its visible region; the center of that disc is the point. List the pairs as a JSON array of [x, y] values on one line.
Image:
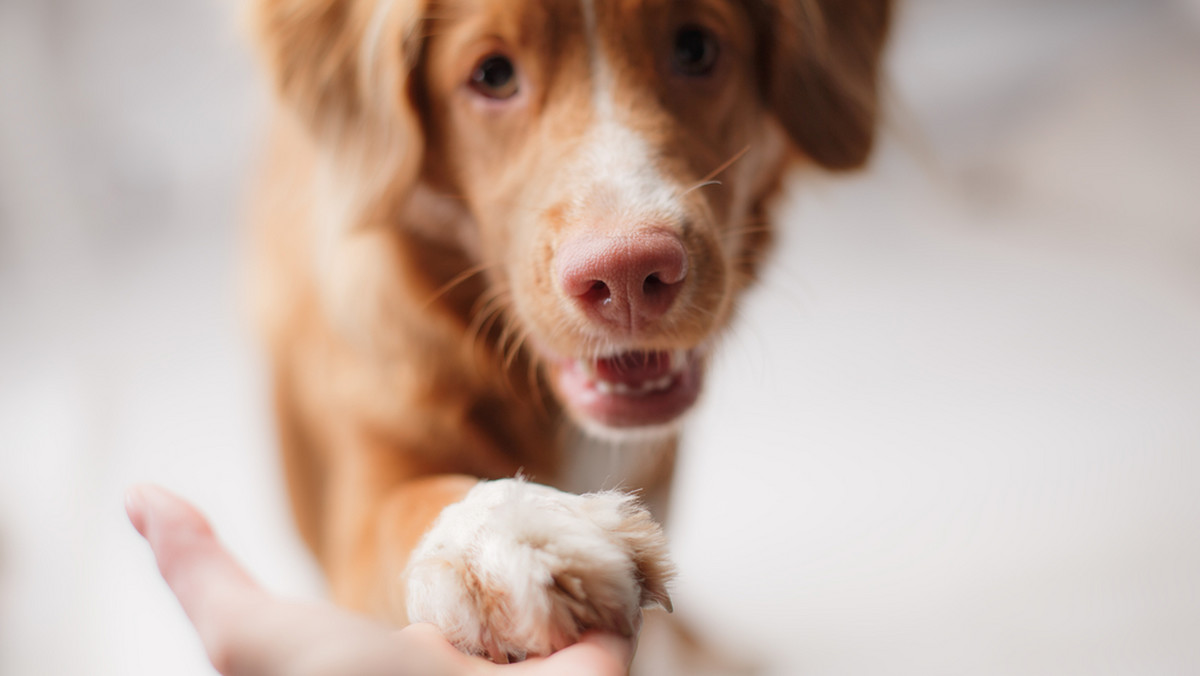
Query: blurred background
[[957, 430]]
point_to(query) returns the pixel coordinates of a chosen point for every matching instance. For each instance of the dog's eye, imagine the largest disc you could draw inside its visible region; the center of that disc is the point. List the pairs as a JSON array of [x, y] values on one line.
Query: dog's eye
[[495, 77], [695, 51]]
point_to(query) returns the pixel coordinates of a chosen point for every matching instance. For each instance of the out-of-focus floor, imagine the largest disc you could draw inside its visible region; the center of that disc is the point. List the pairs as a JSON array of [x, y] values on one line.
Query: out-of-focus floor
[[957, 430]]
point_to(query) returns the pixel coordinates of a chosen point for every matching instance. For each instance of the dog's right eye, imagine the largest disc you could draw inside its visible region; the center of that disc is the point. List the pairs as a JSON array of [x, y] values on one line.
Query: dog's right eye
[[495, 77], [695, 52]]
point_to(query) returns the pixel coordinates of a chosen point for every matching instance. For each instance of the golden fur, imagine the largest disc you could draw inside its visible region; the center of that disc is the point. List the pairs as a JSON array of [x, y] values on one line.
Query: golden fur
[[406, 233]]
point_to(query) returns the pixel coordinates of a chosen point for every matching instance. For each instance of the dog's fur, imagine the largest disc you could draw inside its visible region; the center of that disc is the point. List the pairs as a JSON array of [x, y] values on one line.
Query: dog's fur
[[413, 237]]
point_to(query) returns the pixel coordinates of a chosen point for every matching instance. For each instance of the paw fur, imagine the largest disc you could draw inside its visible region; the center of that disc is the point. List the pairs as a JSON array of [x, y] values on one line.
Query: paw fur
[[516, 569]]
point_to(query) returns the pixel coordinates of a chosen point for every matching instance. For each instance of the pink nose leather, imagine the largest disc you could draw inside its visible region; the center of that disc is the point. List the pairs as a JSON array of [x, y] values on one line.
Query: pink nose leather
[[627, 281]]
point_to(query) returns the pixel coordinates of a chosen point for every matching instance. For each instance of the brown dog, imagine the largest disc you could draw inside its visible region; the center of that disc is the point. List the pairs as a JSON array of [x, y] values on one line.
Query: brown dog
[[493, 231]]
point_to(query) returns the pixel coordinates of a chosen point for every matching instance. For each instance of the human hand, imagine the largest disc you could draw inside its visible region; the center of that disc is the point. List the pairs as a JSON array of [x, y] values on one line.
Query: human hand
[[248, 632]]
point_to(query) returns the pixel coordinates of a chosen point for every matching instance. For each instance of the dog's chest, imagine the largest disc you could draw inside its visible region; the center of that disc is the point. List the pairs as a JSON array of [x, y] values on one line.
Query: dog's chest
[[593, 464]]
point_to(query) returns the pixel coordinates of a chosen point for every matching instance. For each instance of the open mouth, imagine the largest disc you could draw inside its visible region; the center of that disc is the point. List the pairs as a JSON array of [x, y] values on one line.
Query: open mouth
[[631, 389]]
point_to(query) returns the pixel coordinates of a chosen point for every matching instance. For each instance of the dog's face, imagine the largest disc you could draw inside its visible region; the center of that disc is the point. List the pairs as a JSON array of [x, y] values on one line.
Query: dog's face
[[582, 136], [611, 157]]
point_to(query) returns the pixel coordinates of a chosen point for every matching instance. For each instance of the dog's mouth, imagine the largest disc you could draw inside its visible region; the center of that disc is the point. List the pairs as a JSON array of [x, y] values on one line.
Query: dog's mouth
[[631, 389]]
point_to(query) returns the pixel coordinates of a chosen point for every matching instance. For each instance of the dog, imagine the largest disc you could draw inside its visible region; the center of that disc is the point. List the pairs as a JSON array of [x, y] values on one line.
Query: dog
[[496, 240]]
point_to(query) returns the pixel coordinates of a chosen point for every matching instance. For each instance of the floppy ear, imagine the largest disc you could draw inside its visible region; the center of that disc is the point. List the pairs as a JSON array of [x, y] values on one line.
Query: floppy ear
[[342, 67], [822, 73]]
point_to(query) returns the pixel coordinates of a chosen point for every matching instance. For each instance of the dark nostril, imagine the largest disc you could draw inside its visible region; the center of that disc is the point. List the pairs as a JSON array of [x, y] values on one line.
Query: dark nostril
[[658, 294], [597, 294], [627, 280], [653, 286]]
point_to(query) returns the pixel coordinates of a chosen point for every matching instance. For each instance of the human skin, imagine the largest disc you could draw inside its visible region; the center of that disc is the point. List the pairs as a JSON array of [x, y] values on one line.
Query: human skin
[[247, 631]]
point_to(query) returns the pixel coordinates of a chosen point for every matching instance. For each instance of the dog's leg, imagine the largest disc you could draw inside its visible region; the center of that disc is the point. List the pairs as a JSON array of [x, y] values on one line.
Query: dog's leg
[[301, 462], [506, 569], [372, 534]]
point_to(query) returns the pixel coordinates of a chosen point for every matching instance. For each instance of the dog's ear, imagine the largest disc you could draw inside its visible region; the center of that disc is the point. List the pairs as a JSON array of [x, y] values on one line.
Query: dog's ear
[[822, 72], [342, 67]]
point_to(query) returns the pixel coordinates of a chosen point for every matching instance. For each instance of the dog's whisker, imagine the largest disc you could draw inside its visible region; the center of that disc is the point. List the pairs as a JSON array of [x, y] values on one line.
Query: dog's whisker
[[456, 280], [511, 343], [704, 311], [496, 315], [708, 180], [748, 238], [520, 334], [750, 228], [490, 304], [698, 186], [506, 330], [485, 300], [532, 373], [540, 399]]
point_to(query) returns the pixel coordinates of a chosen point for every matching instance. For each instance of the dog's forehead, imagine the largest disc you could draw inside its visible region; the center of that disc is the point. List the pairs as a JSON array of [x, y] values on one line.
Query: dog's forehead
[[532, 23], [608, 20]]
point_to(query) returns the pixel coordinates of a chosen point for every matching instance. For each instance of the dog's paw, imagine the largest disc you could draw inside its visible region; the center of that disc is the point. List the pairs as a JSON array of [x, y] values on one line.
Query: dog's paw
[[517, 569]]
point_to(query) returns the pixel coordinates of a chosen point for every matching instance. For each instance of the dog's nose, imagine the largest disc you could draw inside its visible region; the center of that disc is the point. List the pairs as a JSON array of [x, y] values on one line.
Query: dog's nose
[[625, 281]]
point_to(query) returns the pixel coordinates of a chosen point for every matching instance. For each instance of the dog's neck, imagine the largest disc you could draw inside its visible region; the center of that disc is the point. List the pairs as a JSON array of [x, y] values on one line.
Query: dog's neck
[[641, 461]]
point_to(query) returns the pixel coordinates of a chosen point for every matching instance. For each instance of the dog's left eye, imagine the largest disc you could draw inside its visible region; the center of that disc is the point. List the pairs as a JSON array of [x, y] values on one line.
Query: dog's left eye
[[695, 51], [495, 77]]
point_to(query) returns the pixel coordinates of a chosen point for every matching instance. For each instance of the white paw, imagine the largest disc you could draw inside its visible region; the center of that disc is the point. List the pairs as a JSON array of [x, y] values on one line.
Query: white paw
[[517, 569]]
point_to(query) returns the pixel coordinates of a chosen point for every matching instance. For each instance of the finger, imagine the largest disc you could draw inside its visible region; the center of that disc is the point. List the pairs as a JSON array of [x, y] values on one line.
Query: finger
[[212, 588], [191, 560], [610, 650], [596, 654], [247, 631]]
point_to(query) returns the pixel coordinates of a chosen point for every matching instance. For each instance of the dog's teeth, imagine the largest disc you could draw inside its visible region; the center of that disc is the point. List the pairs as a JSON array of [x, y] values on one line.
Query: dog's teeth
[[587, 367], [637, 389], [678, 360], [641, 389]]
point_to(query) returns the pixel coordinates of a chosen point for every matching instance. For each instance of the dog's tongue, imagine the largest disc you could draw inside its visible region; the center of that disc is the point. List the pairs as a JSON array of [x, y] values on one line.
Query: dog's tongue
[[632, 368]]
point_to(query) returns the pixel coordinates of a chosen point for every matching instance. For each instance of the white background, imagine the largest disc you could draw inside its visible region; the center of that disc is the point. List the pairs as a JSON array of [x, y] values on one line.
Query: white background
[[957, 430]]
